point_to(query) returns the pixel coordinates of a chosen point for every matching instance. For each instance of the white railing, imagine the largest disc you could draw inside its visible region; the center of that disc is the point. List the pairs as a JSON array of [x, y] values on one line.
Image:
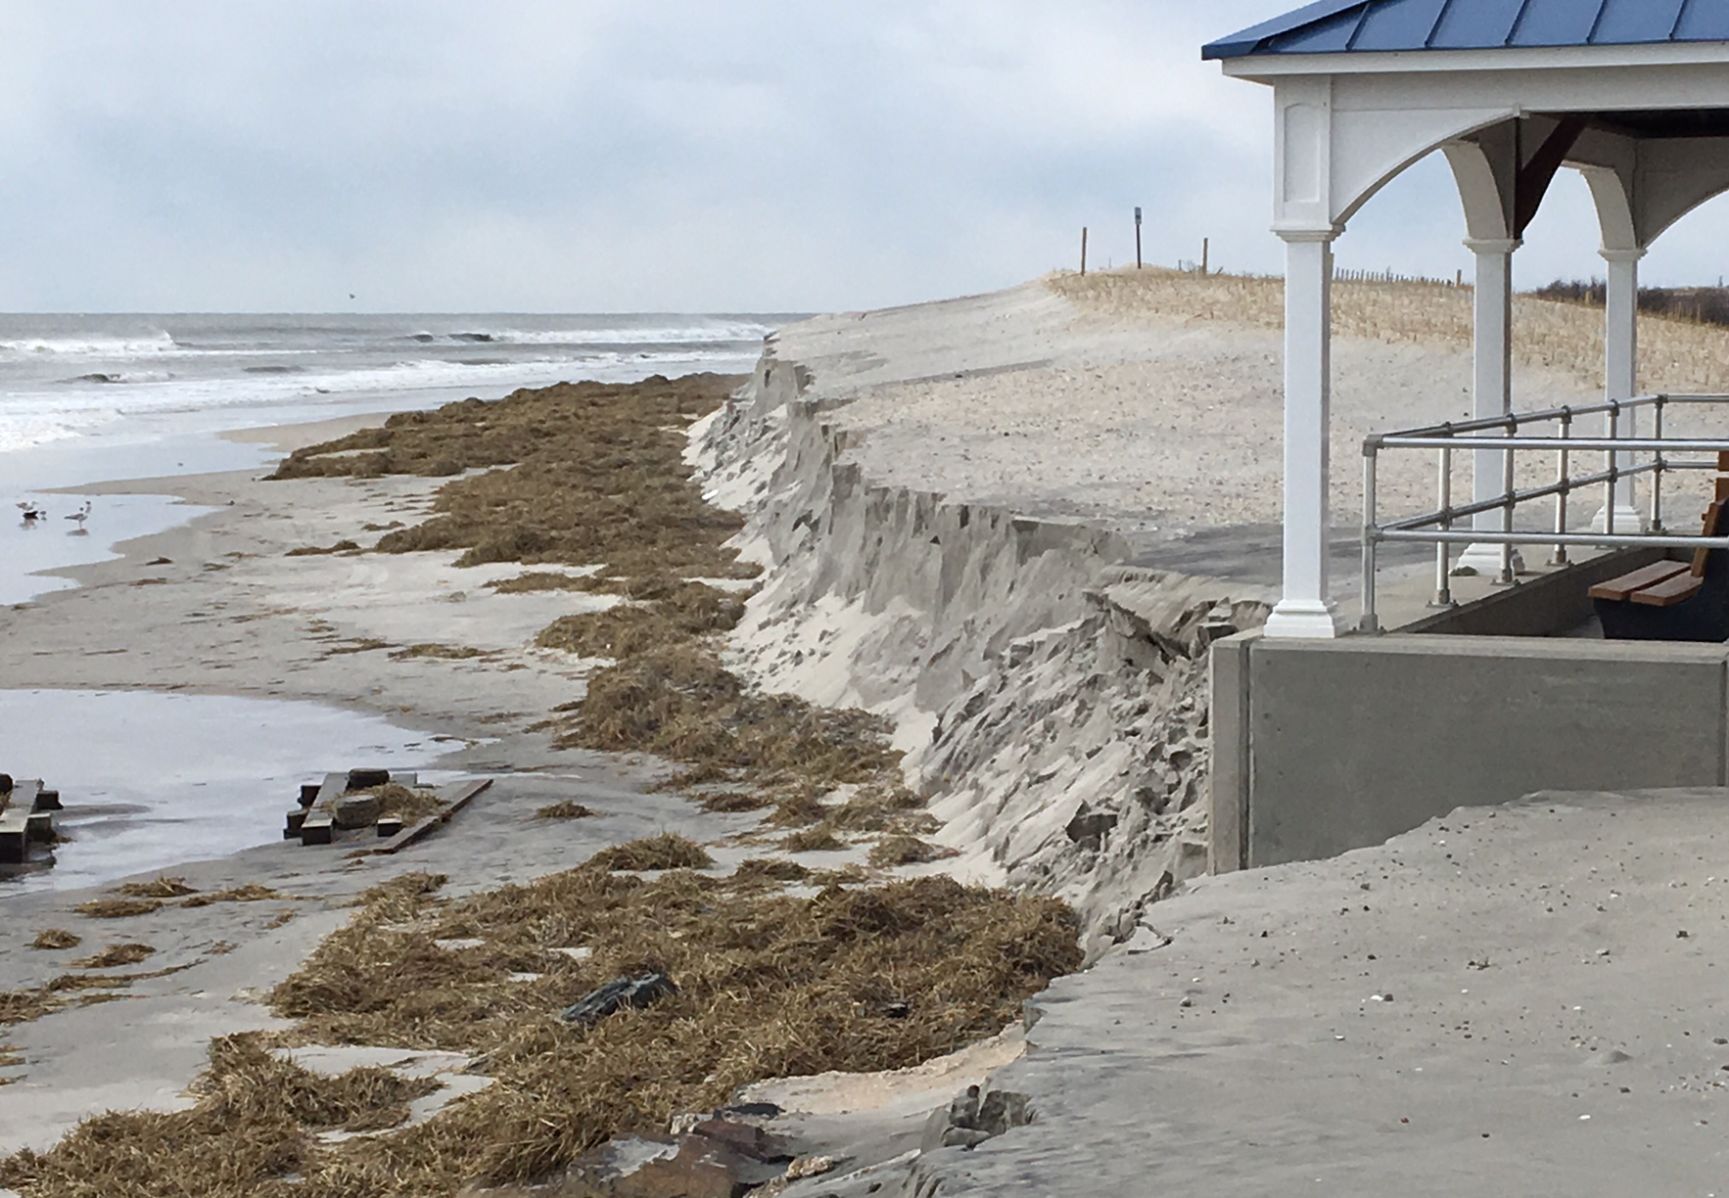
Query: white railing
[[1623, 458]]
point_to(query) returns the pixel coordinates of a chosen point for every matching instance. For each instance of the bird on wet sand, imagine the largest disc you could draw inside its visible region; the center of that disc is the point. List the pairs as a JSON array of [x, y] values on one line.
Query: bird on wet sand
[[30, 511], [81, 515]]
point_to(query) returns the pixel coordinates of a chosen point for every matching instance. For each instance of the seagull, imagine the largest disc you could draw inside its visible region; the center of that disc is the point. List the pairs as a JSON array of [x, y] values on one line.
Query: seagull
[[30, 511], [81, 515]]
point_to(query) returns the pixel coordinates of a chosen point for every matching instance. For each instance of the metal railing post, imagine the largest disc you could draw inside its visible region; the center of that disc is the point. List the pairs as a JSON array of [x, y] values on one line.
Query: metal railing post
[[1561, 474], [1609, 468], [1369, 622], [1511, 496], [1444, 554], [1657, 475]]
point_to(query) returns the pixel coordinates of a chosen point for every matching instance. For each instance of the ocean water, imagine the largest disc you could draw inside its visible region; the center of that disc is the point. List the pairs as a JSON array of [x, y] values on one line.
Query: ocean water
[[86, 399], [151, 779], [64, 377]]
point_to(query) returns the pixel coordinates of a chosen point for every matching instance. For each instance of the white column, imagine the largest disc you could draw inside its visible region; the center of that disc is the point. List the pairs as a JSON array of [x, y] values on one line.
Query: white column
[[1621, 375], [1492, 390], [1306, 608]]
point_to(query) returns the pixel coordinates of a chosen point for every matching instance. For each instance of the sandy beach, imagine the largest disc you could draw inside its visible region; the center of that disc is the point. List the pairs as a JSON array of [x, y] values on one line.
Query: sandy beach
[[226, 614], [1019, 613], [397, 659]]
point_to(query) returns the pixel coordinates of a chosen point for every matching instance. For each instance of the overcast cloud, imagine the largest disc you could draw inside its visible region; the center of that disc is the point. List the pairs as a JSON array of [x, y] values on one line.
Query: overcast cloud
[[617, 155]]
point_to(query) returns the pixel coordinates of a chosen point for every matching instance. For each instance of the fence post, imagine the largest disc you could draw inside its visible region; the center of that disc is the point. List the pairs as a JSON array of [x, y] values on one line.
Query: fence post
[[1137, 237], [1083, 251]]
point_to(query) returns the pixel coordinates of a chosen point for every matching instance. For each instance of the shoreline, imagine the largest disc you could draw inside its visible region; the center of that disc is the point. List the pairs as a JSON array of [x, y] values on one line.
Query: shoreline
[[220, 606], [223, 600]]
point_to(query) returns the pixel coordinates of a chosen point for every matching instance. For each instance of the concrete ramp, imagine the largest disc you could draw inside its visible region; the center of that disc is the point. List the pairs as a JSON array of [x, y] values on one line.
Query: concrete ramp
[[1528, 999]]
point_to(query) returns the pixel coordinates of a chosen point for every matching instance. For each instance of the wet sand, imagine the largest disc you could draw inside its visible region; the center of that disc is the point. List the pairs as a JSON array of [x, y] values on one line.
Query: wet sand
[[179, 777], [295, 655]]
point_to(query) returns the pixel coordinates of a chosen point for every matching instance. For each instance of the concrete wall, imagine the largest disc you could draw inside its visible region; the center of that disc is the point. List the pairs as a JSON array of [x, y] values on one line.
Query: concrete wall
[[1321, 747], [1549, 603]]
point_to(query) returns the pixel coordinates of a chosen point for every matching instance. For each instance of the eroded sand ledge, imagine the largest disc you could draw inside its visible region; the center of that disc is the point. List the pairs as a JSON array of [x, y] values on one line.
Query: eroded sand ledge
[[1013, 523]]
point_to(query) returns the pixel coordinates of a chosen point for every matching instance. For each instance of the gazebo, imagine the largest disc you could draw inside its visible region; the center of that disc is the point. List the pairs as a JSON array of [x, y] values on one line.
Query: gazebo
[[1634, 94]]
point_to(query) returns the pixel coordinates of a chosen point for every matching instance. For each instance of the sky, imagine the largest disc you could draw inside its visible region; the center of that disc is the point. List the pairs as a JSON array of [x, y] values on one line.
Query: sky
[[658, 155]]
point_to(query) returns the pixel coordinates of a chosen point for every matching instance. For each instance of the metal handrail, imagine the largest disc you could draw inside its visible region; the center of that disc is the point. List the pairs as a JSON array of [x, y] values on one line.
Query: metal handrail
[[1438, 527], [1540, 417]]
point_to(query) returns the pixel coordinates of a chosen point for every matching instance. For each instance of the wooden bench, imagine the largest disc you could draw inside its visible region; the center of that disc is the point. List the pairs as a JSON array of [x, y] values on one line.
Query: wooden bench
[[1669, 600]]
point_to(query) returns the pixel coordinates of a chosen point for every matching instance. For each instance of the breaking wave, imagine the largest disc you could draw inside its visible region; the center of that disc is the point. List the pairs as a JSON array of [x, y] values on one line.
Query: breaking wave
[[89, 347]]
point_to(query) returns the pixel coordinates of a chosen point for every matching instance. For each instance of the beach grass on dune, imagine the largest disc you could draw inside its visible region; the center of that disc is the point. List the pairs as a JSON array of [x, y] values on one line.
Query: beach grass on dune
[[769, 985], [115, 955], [847, 974], [56, 939], [594, 475], [250, 1126], [156, 888], [666, 851], [565, 809], [118, 908], [1676, 354], [545, 580]]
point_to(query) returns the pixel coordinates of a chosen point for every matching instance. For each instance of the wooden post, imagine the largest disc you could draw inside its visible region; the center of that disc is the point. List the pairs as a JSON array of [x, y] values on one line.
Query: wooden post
[[1083, 251], [1206, 248], [1137, 237]]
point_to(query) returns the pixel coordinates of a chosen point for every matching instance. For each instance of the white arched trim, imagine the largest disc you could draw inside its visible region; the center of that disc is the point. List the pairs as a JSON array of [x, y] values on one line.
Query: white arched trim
[[1332, 160], [1613, 199], [1374, 148], [1485, 169], [1665, 196]]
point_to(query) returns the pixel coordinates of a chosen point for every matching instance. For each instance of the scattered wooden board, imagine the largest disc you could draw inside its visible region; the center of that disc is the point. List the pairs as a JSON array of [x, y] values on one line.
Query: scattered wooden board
[[15, 834], [334, 787], [24, 818], [317, 828], [456, 797]]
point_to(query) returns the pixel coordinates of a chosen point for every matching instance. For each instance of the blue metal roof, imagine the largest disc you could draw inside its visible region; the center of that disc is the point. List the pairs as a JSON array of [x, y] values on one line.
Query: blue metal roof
[[1347, 26]]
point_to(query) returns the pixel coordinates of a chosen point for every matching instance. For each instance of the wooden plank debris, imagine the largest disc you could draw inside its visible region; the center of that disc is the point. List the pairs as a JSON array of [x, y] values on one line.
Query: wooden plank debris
[[333, 788], [455, 797], [14, 834], [317, 828], [40, 827], [26, 817], [331, 811]]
